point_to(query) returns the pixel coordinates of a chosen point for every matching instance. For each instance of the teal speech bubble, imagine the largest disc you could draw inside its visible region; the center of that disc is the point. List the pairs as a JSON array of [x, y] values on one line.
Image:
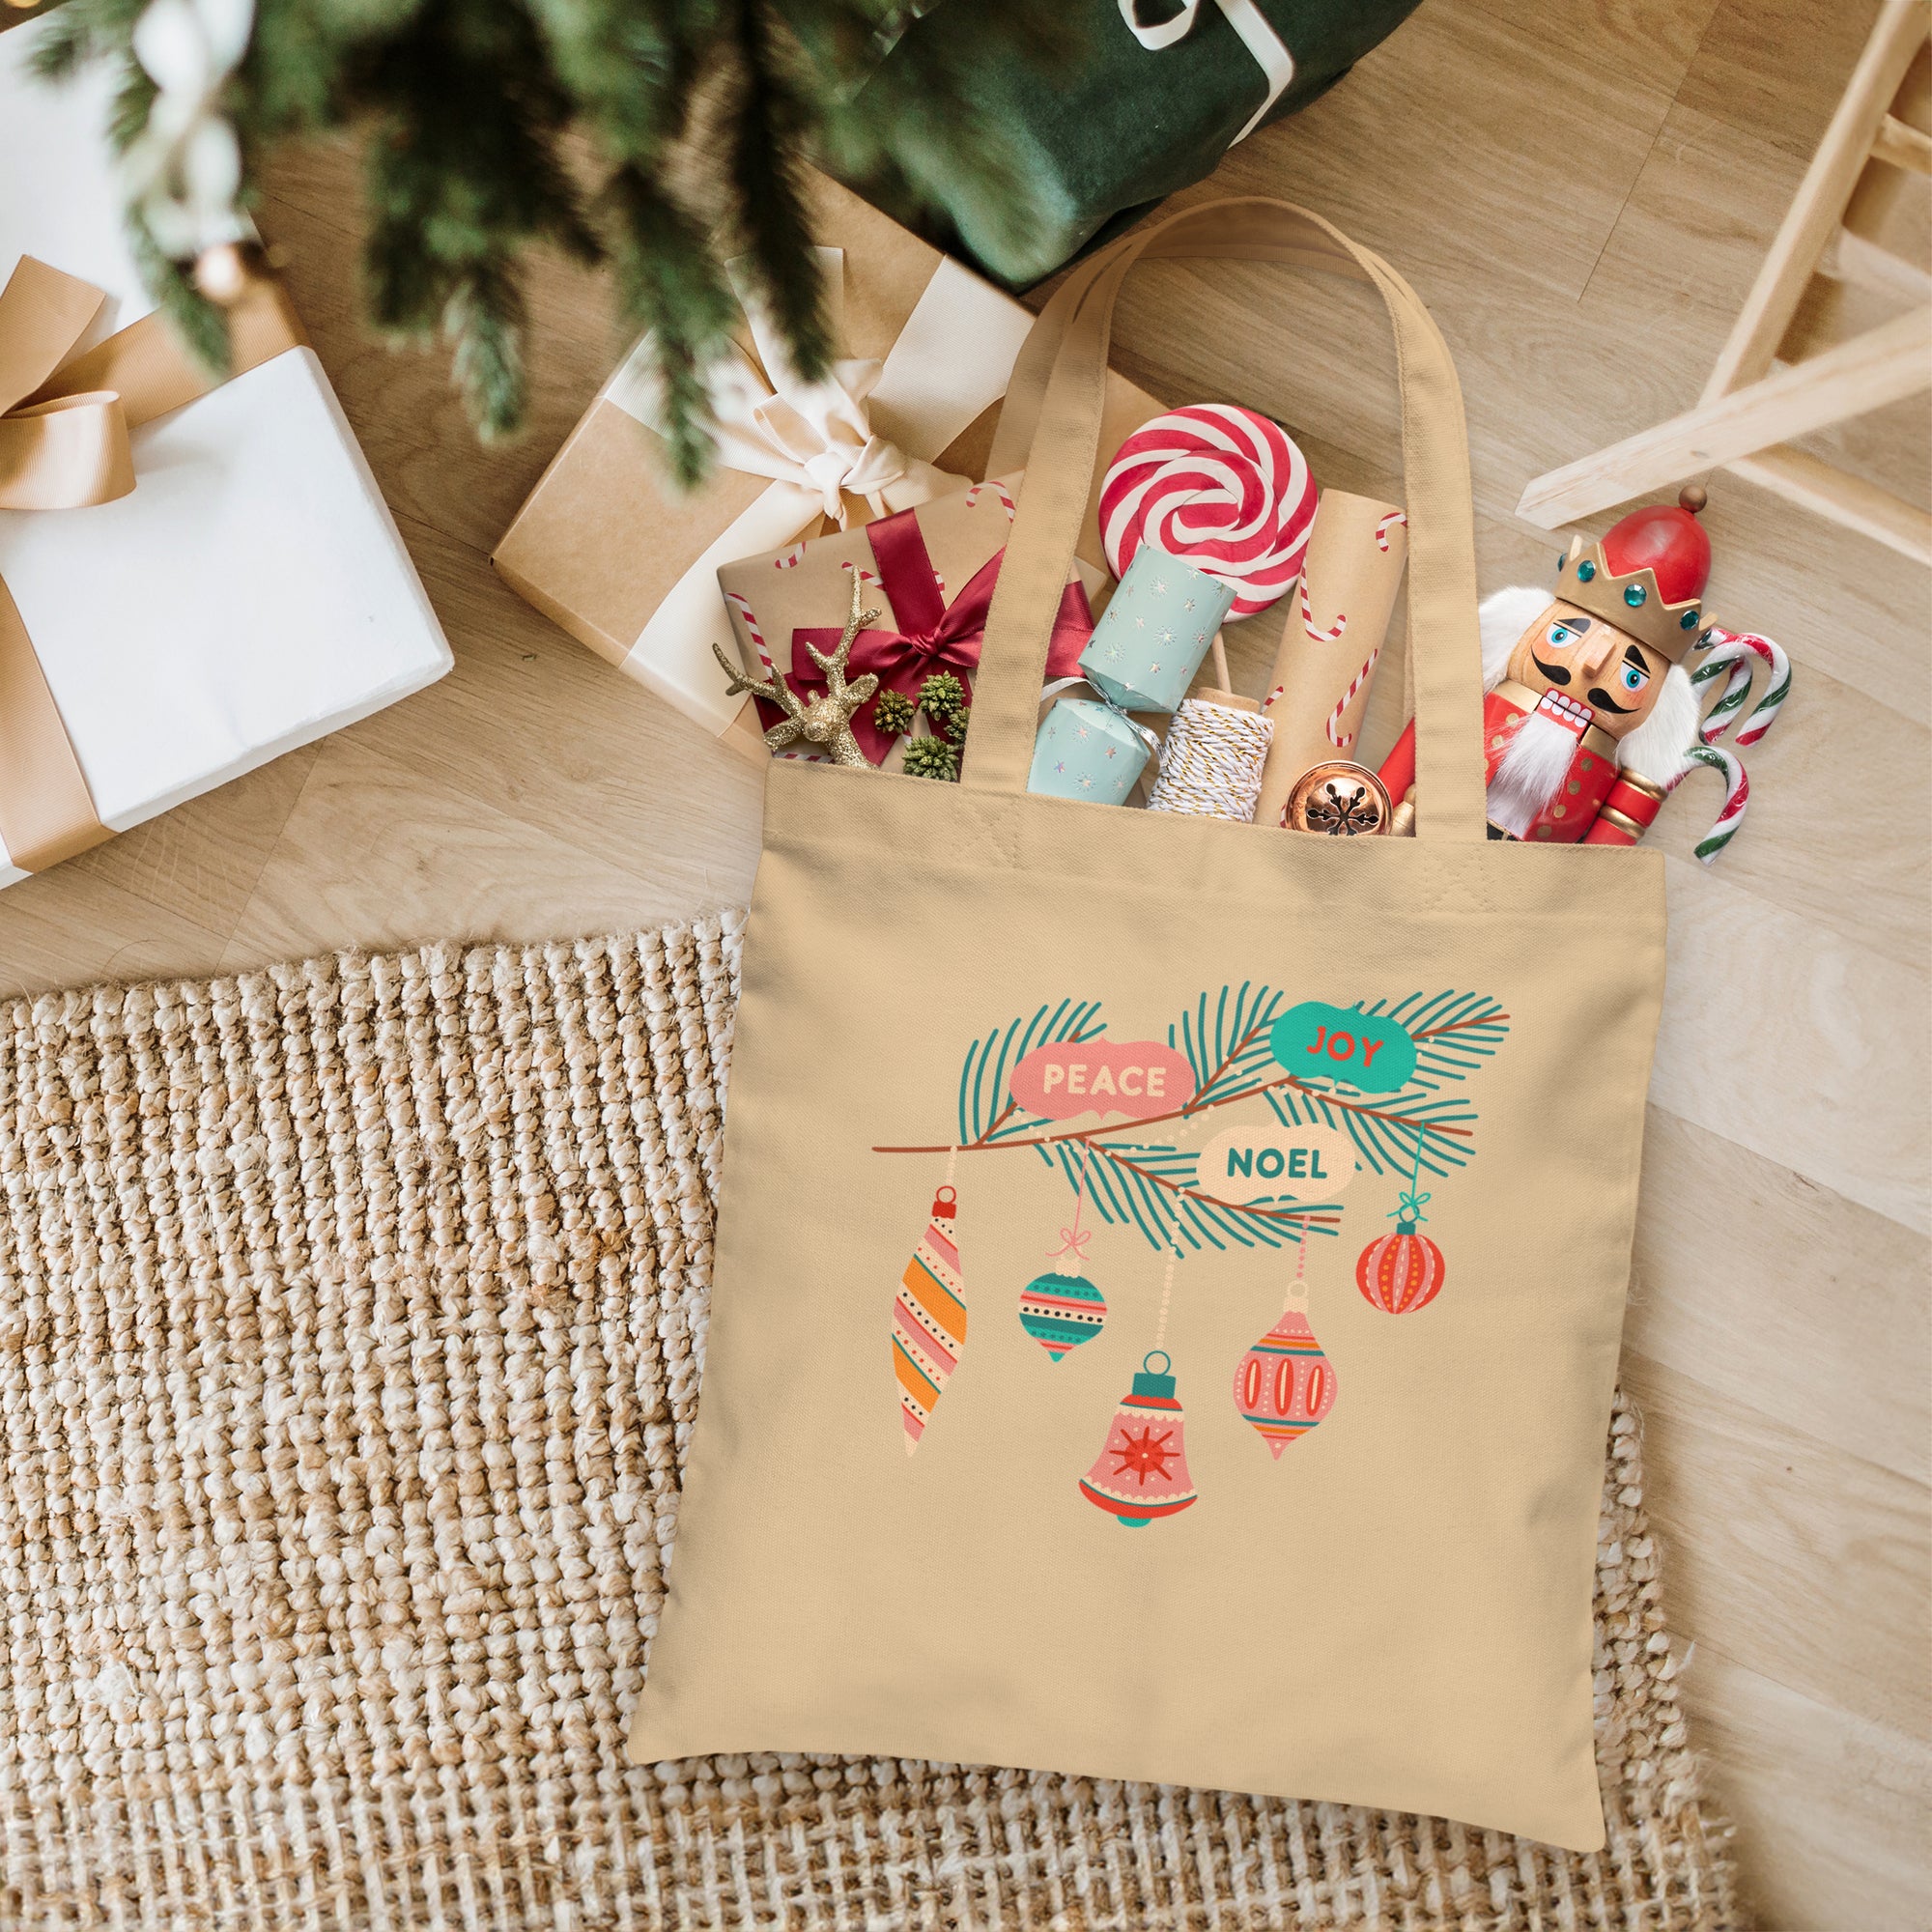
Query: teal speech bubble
[[1361, 1050]]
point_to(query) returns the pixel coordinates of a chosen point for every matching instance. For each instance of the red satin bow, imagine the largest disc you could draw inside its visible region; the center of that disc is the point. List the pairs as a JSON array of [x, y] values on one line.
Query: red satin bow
[[934, 635]]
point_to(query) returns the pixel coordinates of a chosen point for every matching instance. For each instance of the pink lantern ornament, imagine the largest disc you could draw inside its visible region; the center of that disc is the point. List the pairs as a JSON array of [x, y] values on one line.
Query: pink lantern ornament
[[1285, 1385]]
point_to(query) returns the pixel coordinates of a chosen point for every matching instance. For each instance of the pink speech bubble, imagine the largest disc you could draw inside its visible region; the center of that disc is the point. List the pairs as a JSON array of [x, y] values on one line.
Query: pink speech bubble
[[1135, 1077]]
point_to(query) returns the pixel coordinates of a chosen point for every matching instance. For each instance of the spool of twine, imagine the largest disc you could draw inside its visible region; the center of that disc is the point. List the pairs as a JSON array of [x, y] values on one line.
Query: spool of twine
[[1211, 762]]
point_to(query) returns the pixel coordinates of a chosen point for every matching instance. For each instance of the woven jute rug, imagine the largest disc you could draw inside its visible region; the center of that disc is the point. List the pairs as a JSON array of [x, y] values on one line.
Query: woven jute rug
[[352, 1317]]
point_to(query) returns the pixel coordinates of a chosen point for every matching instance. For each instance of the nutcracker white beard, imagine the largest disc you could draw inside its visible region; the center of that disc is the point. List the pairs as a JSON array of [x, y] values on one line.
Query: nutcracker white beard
[[1532, 768]]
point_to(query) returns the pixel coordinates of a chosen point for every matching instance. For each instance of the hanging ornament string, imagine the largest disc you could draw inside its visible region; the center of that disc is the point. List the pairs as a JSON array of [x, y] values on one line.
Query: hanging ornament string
[[1166, 1299], [1210, 765], [1298, 1288], [1073, 1240], [1407, 1209]]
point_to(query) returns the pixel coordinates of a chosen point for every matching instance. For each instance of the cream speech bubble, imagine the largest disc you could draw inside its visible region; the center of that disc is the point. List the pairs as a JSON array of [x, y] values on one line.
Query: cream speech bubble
[[1242, 1164]]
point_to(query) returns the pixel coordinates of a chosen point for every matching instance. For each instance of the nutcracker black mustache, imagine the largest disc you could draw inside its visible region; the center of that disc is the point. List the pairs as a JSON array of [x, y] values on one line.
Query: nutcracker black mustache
[[1559, 675]]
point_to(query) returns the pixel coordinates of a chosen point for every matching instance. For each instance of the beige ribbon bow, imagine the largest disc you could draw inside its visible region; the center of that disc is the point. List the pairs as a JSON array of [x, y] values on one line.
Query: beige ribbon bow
[[63, 445], [816, 437]]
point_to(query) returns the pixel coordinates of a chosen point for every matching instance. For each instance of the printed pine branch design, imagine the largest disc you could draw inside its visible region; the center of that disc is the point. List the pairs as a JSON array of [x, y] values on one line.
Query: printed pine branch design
[[1155, 1185]]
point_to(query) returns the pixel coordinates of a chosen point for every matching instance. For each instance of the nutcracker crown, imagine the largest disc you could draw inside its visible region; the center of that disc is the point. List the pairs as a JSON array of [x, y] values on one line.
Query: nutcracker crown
[[1645, 575]]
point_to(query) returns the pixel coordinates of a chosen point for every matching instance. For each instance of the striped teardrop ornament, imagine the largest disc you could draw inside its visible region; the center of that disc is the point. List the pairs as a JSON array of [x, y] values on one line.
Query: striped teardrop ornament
[[930, 1319]]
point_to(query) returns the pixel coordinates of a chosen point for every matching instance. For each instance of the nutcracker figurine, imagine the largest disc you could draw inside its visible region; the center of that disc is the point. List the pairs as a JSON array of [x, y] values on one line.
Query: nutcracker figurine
[[1590, 711]]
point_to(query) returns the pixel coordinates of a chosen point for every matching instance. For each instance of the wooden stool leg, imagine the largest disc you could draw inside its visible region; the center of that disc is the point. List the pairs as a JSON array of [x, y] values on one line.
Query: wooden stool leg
[[1882, 366]]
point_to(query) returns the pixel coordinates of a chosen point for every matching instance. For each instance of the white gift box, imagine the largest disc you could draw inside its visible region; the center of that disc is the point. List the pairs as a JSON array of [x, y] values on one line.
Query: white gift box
[[252, 593]]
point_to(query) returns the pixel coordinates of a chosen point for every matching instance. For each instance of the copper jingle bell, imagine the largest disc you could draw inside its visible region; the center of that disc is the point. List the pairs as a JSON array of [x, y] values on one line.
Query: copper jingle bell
[[1339, 800]]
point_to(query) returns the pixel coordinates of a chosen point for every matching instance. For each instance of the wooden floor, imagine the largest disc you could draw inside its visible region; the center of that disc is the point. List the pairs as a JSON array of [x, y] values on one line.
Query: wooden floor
[[1581, 189]]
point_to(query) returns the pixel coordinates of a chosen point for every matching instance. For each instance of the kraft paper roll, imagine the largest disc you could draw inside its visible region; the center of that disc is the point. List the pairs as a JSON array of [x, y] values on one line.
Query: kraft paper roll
[[1338, 616]]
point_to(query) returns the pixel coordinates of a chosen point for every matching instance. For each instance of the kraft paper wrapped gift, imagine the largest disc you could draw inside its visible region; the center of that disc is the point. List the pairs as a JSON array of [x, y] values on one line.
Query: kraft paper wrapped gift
[[609, 548], [249, 595], [927, 574]]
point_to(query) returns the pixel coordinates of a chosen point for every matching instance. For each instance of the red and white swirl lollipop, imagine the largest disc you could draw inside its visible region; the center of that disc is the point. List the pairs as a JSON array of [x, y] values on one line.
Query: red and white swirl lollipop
[[1220, 487]]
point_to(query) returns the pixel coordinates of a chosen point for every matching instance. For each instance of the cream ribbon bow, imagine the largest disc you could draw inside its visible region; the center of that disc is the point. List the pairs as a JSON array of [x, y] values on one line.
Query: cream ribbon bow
[[817, 437], [1258, 35]]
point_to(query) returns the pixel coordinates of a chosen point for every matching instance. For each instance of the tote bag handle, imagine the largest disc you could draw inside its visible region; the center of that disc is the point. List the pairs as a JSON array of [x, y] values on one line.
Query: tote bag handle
[[1051, 426]]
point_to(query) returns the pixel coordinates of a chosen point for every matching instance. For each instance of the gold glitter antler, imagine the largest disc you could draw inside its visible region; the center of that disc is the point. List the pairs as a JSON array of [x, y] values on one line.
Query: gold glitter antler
[[833, 667], [827, 720]]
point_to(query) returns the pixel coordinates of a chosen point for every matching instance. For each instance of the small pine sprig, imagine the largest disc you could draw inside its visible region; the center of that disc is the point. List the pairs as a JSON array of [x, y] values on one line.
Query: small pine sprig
[[943, 698], [932, 759], [892, 713], [956, 729]]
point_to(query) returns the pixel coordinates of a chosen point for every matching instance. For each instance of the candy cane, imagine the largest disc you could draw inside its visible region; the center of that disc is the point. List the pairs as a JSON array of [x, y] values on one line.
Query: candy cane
[[999, 489], [1737, 794], [1738, 667], [752, 630], [1316, 632], [1396, 519], [1737, 648], [757, 637], [1340, 739], [1267, 703], [789, 560]]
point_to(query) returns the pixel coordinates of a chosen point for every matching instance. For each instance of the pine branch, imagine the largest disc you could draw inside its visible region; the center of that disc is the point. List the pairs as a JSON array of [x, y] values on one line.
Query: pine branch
[[923, 125], [982, 1078], [772, 122], [1155, 1191], [670, 282], [983, 1144], [1436, 1126], [475, 110]]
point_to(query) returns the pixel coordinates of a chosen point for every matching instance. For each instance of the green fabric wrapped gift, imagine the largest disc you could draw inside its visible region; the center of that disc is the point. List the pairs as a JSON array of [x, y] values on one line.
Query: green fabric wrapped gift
[[1158, 94]]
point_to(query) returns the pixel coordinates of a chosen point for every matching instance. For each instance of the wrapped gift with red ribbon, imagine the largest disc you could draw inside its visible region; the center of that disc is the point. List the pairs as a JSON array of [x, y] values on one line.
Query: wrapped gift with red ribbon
[[928, 571]]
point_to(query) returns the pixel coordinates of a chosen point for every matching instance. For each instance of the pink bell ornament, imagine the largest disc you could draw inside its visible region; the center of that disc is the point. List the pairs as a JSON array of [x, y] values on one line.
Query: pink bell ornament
[[1142, 1472], [1284, 1385]]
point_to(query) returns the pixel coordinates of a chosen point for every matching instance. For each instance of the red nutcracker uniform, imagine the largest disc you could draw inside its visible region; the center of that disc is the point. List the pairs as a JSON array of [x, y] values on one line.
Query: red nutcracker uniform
[[1601, 661]]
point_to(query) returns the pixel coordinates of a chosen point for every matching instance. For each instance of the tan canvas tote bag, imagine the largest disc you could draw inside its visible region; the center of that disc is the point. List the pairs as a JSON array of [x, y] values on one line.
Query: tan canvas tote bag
[[1235, 1223]]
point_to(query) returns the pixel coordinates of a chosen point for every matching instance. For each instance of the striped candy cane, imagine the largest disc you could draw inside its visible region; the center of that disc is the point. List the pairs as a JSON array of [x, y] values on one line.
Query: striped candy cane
[[1395, 520], [1737, 794], [999, 489], [789, 560], [1340, 739], [1267, 703], [1735, 650], [751, 631], [1316, 632], [755, 633]]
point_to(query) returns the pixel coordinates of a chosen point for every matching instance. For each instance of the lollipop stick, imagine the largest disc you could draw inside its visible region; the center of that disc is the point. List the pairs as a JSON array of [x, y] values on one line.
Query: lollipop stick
[[1220, 655]]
